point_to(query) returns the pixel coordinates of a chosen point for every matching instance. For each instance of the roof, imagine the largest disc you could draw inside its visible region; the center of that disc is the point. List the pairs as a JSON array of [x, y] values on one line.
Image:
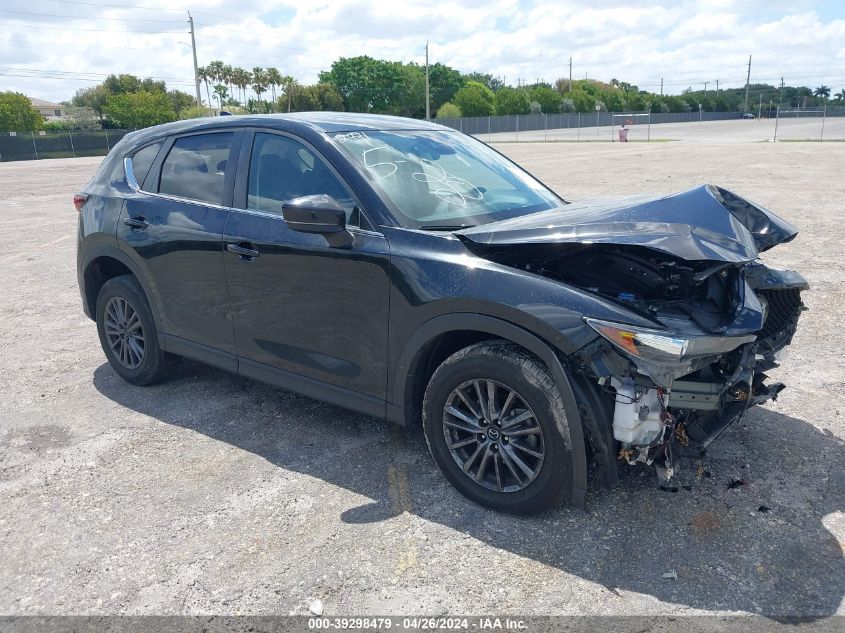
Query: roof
[[40, 103], [350, 121], [298, 122]]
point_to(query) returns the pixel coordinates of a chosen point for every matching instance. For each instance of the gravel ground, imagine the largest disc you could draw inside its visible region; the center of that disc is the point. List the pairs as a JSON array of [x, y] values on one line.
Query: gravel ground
[[214, 494]]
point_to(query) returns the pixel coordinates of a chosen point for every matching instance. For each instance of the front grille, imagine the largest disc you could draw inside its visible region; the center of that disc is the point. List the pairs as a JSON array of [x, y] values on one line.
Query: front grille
[[781, 314]]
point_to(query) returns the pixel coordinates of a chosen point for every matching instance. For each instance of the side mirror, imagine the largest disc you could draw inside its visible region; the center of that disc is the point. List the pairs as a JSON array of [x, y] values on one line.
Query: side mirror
[[318, 214]]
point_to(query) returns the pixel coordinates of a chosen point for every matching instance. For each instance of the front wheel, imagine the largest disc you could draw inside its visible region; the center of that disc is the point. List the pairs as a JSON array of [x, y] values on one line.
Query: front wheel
[[495, 424]]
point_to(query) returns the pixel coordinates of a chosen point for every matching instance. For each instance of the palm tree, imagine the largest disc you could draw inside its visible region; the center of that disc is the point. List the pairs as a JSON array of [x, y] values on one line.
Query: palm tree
[[227, 77], [823, 92], [204, 75], [241, 78], [222, 92], [289, 86], [274, 78], [215, 70], [840, 96], [259, 82]]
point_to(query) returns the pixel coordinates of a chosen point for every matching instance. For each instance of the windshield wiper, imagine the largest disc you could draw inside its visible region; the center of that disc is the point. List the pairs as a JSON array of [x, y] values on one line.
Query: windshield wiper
[[444, 227]]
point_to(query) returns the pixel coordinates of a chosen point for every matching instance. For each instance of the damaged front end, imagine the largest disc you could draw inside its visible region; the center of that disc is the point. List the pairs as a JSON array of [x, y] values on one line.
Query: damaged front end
[[688, 264]]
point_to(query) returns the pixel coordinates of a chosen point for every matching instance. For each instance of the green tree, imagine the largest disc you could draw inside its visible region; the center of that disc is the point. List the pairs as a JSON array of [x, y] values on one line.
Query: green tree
[[485, 79], [443, 83], [274, 79], [180, 101], [315, 97], [93, 97], [139, 109], [289, 86], [194, 112], [822, 92], [120, 84], [259, 83], [448, 111], [614, 100], [840, 96], [204, 74], [228, 77], [82, 118], [475, 99], [222, 93], [549, 99], [511, 101], [374, 85], [17, 113]]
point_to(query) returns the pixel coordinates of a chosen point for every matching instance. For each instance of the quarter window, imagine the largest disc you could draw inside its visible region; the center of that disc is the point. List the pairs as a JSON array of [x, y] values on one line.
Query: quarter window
[[282, 168], [195, 167], [142, 160]]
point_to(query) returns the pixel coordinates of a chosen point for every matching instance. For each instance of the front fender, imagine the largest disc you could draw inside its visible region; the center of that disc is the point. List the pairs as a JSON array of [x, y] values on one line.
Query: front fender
[[400, 405]]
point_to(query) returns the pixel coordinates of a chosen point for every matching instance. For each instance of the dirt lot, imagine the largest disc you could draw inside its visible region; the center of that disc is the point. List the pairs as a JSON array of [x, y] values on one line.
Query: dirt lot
[[215, 494]]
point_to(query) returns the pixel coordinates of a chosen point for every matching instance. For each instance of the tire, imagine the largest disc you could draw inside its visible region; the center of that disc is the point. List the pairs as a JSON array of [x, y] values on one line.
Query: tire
[[124, 316], [541, 440]]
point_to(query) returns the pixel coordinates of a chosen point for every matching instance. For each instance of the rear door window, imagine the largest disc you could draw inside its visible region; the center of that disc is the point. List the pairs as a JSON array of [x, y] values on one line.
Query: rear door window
[[195, 167]]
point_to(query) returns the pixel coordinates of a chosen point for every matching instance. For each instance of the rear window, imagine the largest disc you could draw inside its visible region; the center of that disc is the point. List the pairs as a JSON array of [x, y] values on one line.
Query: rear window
[[195, 167]]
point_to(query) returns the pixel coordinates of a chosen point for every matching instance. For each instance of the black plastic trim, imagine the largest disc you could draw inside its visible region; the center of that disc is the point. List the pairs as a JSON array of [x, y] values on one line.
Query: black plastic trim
[[346, 398]]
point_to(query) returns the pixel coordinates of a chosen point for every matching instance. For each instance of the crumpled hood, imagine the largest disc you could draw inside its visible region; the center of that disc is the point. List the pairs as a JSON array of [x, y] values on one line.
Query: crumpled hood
[[703, 223]]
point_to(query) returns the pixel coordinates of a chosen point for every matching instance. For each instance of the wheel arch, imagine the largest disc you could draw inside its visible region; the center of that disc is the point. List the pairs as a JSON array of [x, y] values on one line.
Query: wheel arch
[[104, 263], [441, 336]]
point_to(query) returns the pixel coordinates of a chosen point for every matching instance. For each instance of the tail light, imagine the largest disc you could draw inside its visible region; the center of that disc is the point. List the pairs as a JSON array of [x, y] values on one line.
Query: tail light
[[79, 200]]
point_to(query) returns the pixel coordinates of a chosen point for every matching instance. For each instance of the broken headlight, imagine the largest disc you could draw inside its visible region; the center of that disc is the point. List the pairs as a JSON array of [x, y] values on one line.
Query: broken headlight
[[650, 345], [664, 355]]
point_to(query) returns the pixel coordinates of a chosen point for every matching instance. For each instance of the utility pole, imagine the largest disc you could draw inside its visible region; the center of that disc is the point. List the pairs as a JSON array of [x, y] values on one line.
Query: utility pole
[[661, 86], [747, 82], [777, 118], [196, 70], [570, 73], [427, 101], [705, 87], [717, 86]]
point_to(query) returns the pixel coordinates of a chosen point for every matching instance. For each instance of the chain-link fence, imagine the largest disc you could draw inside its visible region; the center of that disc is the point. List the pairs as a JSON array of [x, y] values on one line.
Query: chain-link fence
[[58, 144], [793, 124], [587, 125]]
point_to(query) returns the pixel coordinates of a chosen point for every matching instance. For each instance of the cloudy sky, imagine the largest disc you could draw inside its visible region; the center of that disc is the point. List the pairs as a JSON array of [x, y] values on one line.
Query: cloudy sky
[[51, 48]]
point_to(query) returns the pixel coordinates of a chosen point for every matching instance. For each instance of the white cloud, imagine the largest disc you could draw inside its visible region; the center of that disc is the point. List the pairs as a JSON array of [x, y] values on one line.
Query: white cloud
[[686, 43]]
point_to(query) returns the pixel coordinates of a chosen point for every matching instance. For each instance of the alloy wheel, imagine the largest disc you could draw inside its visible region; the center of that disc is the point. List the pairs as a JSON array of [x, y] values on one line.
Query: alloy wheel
[[124, 332], [493, 435]]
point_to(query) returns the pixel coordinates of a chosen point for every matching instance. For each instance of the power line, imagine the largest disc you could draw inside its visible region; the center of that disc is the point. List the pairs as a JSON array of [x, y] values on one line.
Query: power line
[[71, 78], [85, 17], [73, 28], [77, 73], [147, 8]]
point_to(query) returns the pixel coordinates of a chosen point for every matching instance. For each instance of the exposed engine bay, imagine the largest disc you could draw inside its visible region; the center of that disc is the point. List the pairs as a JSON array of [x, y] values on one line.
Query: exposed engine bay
[[689, 264]]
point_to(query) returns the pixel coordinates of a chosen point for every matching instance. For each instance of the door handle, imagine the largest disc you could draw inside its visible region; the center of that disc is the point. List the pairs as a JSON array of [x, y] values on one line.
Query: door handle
[[139, 222], [245, 250]]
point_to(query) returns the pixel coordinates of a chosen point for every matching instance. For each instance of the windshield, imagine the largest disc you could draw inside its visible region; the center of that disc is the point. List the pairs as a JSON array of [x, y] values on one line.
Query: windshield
[[443, 180]]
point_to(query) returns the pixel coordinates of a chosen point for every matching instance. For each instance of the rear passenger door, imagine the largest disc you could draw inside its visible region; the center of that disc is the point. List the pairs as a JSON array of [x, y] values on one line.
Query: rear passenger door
[[173, 229]]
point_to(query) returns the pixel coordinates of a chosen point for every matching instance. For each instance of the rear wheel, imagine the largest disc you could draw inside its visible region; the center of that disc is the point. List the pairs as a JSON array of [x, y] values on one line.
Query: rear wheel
[[128, 333], [495, 424]]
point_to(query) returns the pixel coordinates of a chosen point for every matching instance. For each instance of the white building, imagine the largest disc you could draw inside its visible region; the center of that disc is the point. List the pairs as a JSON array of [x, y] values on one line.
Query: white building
[[50, 111]]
